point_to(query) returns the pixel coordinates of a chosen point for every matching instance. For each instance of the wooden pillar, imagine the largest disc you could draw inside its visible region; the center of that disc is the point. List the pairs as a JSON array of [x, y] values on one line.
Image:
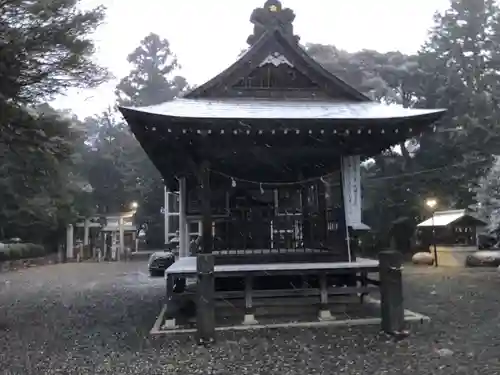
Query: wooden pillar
[[86, 232], [102, 247], [183, 236], [324, 312], [70, 254], [165, 214], [108, 252], [172, 306], [391, 292], [323, 233], [121, 239], [205, 320], [306, 220], [343, 224], [249, 308], [135, 241]]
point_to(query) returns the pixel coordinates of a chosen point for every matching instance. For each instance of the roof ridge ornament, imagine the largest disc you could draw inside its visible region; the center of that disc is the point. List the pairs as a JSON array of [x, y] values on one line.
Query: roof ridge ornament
[[272, 16], [276, 59]]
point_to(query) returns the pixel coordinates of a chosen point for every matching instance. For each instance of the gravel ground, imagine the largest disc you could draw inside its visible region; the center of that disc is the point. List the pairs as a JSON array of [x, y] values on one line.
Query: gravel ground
[[95, 318]]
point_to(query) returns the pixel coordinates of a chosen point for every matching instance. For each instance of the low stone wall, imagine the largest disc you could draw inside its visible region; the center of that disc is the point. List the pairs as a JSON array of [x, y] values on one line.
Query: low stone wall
[[13, 265]]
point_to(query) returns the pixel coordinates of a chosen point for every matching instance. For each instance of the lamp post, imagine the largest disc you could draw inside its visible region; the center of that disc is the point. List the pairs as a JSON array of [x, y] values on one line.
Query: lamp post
[[432, 203]]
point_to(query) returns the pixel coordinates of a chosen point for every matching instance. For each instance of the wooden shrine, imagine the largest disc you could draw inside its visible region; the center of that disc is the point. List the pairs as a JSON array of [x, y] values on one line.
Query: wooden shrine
[[266, 157]]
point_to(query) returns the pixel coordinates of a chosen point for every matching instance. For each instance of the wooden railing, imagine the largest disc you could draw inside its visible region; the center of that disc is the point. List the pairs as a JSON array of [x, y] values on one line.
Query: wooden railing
[[266, 233]]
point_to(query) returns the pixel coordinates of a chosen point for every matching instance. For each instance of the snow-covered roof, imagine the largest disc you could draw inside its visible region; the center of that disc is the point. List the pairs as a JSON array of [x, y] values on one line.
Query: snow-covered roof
[[280, 109], [444, 218]]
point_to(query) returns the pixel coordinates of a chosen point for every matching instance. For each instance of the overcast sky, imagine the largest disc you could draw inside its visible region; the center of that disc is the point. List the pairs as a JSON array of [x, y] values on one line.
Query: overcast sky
[[207, 35]]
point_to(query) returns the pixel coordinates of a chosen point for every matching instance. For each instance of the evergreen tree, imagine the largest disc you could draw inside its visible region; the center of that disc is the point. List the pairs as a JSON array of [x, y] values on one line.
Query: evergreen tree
[[40, 182], [456, 70], [487, 197], [45, 47], [117, 167], [460, 60], [151, 80]]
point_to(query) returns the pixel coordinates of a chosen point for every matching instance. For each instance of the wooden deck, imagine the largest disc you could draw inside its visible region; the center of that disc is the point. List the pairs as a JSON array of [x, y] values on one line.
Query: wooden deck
[[187, 267], [274, 289]]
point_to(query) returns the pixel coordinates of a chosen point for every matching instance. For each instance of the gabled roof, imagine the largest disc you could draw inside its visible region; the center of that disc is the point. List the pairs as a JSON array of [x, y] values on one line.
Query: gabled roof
[[274, 113], [271, 45]]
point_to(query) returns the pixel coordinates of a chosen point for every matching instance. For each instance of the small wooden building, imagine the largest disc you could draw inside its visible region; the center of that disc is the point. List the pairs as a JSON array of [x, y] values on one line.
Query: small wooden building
[[454, 232], [266, 157]]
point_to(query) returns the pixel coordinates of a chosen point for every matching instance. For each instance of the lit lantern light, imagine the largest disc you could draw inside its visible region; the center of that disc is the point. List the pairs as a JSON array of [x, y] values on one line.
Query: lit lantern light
[[431, 203]]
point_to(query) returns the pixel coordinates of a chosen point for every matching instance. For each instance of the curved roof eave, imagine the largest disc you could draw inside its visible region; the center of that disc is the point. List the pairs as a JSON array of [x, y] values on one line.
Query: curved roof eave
[[255, 109]]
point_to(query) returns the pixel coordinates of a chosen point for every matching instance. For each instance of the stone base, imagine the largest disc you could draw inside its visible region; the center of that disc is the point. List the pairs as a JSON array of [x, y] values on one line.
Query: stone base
[[169, 324], [249, 319], [325, 315]]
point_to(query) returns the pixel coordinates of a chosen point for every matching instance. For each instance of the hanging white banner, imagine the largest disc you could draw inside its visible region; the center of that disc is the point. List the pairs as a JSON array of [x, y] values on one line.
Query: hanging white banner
[[351, 187]]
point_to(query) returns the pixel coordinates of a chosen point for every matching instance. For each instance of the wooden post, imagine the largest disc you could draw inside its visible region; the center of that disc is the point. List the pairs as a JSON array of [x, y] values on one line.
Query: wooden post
[[183, 236], [205, 320], [108, 249], [249, 318], [306, 224], [121, 239], [324, 312], [172, 309], [165, 214], [134, 242], [70, 251], [322, 209], [391, 292], [86, 232], [343, 227]]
